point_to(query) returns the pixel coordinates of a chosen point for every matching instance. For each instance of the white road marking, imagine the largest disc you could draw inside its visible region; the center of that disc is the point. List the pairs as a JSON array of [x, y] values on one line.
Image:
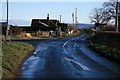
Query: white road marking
[[65, 51], [70, 40], [75, 45], [67, 42], [82, 35], [79, 64]]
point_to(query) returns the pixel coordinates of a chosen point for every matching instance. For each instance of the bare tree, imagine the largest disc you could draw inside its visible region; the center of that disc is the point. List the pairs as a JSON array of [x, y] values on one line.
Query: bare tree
[[98, 15], [112, 9], [109, 11]]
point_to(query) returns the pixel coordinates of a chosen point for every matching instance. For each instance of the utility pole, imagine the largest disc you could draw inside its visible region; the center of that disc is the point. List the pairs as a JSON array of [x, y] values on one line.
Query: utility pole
[[73, 21], [8, 27], [76, 16], [60, 18], [117, 15]]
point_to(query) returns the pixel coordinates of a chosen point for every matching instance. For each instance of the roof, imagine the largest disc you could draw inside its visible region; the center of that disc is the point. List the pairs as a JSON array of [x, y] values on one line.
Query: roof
[[43, 22]]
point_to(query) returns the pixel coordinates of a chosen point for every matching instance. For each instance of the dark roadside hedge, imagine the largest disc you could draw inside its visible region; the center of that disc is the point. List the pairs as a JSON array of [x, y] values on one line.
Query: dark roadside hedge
[[107, 44]]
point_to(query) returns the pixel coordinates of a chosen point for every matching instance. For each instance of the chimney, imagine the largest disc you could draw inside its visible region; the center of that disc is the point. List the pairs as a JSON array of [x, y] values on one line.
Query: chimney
[[48, 17]]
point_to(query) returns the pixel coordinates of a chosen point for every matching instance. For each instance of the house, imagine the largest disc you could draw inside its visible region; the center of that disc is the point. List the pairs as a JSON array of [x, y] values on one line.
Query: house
[[64, 27], [45, 22], [49, 25], [3, 24]]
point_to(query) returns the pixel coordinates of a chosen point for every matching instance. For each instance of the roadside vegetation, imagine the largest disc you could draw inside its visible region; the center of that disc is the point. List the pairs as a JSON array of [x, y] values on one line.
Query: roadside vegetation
[[106, 46], [106, 40], [13, 54]]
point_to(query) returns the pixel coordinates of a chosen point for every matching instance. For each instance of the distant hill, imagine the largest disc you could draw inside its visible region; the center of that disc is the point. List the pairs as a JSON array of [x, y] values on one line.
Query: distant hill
[[83, 25], [19, 22]]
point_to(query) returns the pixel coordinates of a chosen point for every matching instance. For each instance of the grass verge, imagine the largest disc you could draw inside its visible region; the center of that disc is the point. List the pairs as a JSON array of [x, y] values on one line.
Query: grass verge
[[13, 54]]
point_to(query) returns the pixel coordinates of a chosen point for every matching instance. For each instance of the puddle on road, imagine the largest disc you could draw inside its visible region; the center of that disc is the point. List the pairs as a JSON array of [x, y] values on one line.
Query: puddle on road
[[41, 47], [34, 63], [31, 66]]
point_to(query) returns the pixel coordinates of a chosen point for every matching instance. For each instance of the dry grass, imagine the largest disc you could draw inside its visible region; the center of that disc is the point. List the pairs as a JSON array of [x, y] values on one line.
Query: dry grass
[[13, 54]]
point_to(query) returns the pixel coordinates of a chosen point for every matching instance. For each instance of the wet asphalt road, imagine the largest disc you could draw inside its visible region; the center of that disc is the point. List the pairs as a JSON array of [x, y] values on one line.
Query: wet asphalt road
[[67, 58]]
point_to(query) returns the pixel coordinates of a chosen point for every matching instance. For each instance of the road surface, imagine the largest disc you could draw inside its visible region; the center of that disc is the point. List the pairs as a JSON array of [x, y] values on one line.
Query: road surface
[[67, 58]]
